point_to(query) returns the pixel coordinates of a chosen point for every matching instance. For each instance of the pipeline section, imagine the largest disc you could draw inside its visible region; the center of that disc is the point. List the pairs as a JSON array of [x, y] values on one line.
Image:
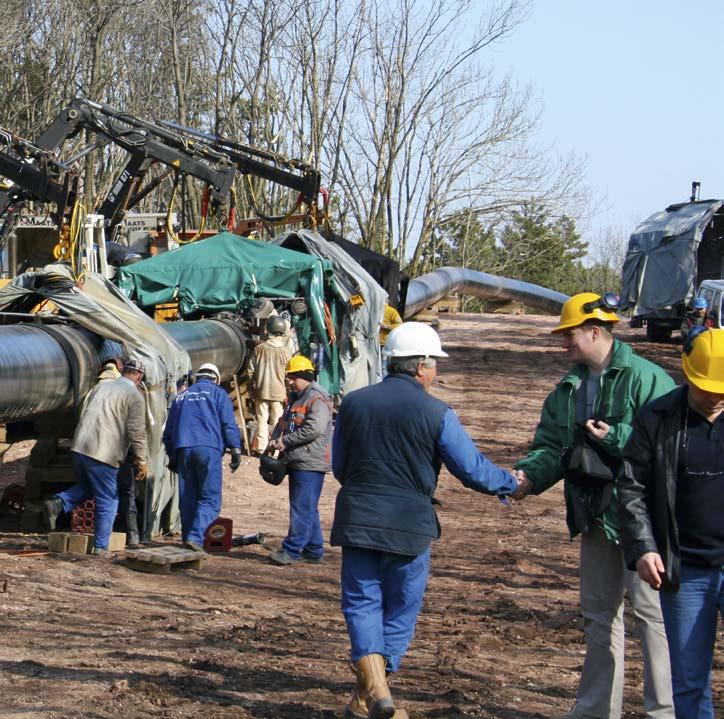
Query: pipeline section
[[428, 289], [50, 367], [44, 368]]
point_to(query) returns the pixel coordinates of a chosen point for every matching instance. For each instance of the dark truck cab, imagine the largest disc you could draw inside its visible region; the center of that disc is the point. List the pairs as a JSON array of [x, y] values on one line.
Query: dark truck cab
[[669, 255]]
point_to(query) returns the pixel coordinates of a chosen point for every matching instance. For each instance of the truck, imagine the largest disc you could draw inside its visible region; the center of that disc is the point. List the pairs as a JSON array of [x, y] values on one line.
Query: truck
[[669, 255]]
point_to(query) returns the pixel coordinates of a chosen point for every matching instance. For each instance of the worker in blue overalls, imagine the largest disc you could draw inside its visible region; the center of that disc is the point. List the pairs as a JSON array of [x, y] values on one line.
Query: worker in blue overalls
[[389, 442], [199, 428]]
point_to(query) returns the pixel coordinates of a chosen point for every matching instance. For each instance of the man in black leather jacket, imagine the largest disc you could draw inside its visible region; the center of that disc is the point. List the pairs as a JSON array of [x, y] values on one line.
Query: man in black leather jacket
[[671, 504]]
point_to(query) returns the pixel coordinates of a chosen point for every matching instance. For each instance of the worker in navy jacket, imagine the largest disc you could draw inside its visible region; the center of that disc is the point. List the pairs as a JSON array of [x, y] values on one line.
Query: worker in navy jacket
[[389, 443], [200, 426]]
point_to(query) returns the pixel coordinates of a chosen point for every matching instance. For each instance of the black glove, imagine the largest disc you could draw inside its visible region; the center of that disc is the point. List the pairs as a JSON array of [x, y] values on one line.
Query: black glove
[[235, 459], [173, 462]]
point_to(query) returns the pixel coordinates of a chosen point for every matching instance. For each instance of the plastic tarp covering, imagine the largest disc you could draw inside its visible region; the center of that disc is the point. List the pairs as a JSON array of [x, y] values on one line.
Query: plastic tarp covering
[[359, 337], [100, 307], [226, 272], [384, 271], [661, 263]]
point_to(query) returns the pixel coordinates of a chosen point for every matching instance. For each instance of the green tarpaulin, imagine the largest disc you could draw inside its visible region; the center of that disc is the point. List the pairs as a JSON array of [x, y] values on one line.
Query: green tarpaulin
[[227, 273]]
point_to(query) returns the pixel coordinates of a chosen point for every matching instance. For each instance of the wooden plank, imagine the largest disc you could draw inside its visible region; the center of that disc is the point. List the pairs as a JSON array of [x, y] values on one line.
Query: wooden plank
[[165, 568], [240, 410]]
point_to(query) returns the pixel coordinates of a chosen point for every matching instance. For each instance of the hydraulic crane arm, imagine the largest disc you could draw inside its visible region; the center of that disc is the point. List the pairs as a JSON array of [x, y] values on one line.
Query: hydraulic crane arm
[[36, 174], [146, 142], [295, 174]]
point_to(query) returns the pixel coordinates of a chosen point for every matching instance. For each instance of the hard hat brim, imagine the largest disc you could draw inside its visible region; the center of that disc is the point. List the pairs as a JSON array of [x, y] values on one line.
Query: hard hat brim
[[703, 383]]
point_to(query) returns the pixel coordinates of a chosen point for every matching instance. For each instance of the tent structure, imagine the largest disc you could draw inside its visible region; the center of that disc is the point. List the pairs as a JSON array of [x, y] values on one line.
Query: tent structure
[[669, 254], [356, 302], [226, 272]]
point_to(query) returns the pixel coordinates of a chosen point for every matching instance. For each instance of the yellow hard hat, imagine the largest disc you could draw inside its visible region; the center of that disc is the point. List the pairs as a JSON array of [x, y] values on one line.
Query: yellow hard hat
[[299, 363], [587, 306], [703, 360]]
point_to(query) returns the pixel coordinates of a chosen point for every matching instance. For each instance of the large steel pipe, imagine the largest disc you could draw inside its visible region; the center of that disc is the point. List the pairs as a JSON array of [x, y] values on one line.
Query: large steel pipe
[[428, 289], [46, 368]]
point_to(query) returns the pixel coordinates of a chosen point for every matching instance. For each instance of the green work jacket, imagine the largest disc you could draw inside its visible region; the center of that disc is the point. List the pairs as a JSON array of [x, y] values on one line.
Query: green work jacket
[[628, 383]]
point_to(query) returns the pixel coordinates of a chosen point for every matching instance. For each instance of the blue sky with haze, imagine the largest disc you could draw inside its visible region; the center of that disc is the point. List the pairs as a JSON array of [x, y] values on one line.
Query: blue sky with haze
[[634, 86]]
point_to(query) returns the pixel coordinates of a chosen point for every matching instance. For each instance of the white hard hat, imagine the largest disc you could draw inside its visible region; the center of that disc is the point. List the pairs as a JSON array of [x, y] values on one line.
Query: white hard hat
[[413, 339], [209, 368]]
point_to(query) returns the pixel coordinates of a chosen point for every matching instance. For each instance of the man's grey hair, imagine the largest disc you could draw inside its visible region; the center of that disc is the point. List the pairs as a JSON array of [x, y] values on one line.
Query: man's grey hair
[[408, 365]]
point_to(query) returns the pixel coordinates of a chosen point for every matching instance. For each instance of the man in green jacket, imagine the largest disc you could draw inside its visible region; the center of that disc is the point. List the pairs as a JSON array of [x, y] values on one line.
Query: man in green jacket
[[594, 404]]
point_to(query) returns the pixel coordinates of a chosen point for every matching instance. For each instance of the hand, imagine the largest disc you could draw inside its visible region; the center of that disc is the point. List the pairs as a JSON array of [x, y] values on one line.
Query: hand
[[140, 471], [651, 569], [525, 486], [172, 465], [597, 428], [235, 459], [277, 444]]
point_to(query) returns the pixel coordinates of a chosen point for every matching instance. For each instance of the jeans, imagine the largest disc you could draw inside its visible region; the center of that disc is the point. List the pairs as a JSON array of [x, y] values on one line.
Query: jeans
[[382, 595], [98, 480], [604, 580], [690, 616], [305, 531], [127, 520], [199, 473]]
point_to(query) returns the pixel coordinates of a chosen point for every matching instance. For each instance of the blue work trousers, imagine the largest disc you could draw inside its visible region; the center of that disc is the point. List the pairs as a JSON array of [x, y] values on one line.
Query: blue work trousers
[[305, 531], [382, 595], [690, 618], [98, 480], [199, 473]]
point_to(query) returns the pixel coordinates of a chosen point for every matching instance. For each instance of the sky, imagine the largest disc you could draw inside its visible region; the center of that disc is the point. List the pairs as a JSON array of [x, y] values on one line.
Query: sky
[[636, 87]]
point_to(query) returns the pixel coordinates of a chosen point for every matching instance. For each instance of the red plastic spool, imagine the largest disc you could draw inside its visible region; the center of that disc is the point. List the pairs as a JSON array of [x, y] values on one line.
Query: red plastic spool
[[218, 535]]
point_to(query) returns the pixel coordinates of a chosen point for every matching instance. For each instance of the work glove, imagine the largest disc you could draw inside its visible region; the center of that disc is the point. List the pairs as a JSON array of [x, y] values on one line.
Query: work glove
[[140, 471], [235, 459]]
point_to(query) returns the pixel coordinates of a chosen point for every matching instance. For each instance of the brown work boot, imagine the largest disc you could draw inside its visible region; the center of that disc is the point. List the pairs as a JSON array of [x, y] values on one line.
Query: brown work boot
[[372, 684], [357, 707]]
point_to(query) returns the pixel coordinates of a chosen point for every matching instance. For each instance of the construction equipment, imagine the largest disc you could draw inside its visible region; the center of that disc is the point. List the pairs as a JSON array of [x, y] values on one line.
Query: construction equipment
[[669, 255], [251, 161]]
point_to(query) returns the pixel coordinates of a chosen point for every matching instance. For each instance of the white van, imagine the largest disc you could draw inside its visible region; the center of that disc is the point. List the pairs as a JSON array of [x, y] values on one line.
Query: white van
[[713, 292]]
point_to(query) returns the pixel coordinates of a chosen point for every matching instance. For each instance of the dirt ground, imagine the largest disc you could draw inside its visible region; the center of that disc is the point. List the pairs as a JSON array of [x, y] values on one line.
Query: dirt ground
[[499, 635]]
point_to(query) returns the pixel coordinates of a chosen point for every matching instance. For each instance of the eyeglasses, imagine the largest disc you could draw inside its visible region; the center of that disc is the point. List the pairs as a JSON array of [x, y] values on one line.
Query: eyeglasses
[[609, 301]]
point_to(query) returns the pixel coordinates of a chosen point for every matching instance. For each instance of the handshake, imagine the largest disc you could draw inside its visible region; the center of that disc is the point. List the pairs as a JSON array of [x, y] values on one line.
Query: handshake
[[524, 485]]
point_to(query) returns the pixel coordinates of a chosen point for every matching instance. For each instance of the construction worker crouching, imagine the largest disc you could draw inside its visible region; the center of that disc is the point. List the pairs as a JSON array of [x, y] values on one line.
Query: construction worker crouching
[[114, 418], [304, 434], [267, 367], [584, 426], [200, 426], [390, 440], [671, 501]]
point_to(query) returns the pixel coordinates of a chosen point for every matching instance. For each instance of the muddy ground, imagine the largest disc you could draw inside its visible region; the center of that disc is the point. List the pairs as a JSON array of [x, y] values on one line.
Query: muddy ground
[[499, 635]]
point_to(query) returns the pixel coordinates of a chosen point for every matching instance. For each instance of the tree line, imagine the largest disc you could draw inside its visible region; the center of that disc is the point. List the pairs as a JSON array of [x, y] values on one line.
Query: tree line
[[427, 151]]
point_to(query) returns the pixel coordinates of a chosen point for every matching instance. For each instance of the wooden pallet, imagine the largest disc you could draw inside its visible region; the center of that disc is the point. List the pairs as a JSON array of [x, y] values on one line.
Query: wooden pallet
[[159, 560]]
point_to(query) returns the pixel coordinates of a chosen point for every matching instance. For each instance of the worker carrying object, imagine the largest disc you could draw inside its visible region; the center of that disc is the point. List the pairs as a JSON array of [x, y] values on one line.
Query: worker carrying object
[[584, 426], [390, 440], [303, 435], [200, 426], [114, 419], [671, 504], [267, 367]]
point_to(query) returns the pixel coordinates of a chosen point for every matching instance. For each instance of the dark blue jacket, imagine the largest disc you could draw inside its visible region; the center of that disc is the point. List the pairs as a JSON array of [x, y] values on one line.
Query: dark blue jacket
[[201, 416], [389, 443]]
